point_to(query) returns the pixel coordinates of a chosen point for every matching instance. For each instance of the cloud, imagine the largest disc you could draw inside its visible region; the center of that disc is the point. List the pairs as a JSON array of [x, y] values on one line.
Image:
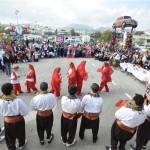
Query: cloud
[[63, 12]]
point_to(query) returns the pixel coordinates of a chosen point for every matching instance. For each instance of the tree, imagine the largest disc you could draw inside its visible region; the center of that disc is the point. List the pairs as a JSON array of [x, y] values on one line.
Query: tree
[[106, 36], [96, 35], [72, 32]]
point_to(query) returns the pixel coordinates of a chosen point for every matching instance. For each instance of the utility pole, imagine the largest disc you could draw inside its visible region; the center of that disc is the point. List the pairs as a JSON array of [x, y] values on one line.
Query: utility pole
[[16, 13]]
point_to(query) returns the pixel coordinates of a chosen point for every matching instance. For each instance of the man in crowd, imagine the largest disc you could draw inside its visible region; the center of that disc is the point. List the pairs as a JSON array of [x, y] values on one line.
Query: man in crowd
[[13, 109], [71, 106], [92, 107], [43, 103], [7, 60], [128, 118]]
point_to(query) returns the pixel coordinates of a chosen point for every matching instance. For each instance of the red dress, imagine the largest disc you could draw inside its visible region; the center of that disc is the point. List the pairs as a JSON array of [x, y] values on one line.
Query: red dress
[[56, 82], [31, 81], [72, 77], [106, 72], [81, 75]]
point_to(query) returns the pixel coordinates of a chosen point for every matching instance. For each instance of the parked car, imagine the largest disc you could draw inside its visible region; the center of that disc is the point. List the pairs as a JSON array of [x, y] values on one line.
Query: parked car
[[125, 21]]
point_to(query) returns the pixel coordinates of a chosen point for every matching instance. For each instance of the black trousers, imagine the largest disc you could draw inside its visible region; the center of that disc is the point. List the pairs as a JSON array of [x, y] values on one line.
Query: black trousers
[[143, 135], [119, 136], [89, 124], [44, 124], [14, 131], [68, 127]]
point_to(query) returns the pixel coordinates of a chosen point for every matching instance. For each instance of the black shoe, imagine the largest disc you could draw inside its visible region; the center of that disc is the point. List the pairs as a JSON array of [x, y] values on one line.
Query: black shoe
[[42, 142], [108, 147], [94, 140], [132, 147], [51, 138], [143, 147], [81, 136]]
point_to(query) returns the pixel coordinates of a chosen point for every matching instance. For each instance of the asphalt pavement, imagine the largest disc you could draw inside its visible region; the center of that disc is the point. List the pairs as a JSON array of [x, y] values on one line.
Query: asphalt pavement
[[122, 85]]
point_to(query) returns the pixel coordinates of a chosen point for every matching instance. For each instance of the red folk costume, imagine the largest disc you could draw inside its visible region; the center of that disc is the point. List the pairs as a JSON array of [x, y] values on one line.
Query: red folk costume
[[56, 82], [72, 77], [106, 72], [81, 75], [31, 79], [15, 80]]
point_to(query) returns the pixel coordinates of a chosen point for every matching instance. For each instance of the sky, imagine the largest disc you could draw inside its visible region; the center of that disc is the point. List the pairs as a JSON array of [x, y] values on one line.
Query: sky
[[60, 13]]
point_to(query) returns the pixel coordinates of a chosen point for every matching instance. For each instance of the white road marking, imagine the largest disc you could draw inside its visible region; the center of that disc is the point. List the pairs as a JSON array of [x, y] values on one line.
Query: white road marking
[[129, 96], [114, 83]]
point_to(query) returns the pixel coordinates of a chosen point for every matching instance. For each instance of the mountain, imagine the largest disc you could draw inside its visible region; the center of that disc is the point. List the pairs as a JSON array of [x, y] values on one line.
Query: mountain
[[102, 29], [79, 28]]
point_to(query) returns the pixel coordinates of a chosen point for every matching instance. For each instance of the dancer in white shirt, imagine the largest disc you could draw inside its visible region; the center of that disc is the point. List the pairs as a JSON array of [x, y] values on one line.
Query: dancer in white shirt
[[13, 109], [71, 106], [92, 107], [128, 118], [43, 104], [15, 80]]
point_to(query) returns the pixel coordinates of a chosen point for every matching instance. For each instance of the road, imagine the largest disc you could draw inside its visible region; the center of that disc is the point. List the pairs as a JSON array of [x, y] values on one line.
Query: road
[[122, 85]]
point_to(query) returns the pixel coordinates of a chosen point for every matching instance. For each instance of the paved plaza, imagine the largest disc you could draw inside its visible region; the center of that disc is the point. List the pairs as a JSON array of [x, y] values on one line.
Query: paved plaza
[[122, 85]]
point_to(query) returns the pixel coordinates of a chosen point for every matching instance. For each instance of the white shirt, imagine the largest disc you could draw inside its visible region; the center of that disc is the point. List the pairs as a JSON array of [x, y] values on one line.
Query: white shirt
[[13, 80], [129, 117], [43, 102], [71, 106], [92, 104], [13, 108], [147, 110]]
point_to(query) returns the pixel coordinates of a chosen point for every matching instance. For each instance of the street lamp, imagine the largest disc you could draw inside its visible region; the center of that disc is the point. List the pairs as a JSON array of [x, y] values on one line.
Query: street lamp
[[16, 13]]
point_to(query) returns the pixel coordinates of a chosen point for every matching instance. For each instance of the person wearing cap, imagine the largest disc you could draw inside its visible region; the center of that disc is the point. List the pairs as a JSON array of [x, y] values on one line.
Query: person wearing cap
[[15, 80], [92, 107], [81, 75], [128, 118], [31, 79], [143, 136], [71, 106], [106, 72], [13, 110], [43, 103]]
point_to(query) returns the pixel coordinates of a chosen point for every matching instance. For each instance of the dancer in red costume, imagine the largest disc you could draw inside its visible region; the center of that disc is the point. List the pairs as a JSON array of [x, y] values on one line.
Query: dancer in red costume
[[72, 77], [56, 82], [31, 79], [81, 75], [106, 72], [15, 80]]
